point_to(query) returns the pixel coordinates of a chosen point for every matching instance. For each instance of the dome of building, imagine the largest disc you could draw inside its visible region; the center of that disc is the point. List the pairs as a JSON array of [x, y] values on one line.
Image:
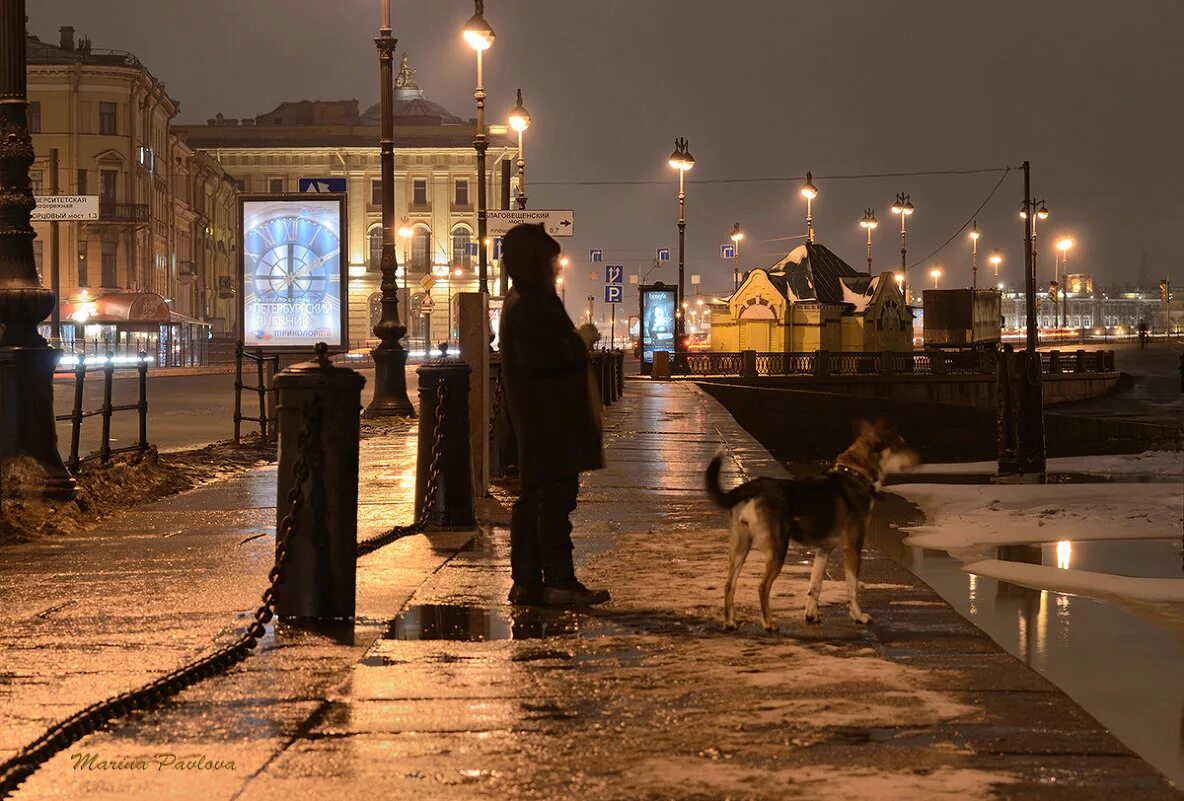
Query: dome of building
[[410, 104]]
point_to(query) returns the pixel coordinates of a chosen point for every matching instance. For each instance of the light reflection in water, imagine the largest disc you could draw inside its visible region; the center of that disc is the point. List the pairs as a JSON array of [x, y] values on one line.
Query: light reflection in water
[[1064, 554]]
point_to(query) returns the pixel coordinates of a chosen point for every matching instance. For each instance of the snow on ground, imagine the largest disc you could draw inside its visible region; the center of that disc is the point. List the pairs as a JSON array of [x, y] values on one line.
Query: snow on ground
[[1164, 463], [1081, 582]]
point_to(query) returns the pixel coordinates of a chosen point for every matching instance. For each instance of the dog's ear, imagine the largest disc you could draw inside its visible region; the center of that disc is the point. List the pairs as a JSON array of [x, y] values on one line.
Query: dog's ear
[[864, 429]]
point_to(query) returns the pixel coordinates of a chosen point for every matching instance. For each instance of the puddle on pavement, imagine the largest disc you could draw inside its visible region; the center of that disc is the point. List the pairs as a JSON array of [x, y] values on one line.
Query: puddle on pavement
[[463, 623], [1136, 558]]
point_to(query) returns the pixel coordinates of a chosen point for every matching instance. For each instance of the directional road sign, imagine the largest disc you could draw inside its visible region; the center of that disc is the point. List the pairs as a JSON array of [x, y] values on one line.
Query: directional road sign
[[335, 185], [663, 254], [427, 282], [595, 255], [613, 293], [614, 274], [727, 251], [66, 208], [557, 222]]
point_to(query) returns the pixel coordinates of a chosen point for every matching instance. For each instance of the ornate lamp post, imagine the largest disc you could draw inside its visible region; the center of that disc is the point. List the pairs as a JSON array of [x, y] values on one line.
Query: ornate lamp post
[[974, 235], [480, 36], [390, 359], [1041, 214], [736, 236], [904, 207], [520, 121], [681, 160], [28, 440], [809, 192], [1063, 277], [870, 223], [996, 259]]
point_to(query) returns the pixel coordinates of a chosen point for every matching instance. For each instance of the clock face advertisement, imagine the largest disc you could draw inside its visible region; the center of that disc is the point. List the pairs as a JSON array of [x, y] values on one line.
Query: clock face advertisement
[[293, 273]]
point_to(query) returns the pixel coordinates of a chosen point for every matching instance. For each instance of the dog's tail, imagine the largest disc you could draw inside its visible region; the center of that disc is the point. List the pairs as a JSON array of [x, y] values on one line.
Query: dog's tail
[[724, 499]]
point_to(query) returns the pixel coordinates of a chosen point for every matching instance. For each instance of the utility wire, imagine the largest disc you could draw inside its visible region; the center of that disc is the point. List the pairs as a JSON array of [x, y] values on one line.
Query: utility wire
[[789, 179], [968, 220]]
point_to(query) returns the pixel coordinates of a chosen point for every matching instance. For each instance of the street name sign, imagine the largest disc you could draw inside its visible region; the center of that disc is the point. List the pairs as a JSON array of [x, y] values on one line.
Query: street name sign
[[337, 185], [613, 293], [556, 222], [66, 208]]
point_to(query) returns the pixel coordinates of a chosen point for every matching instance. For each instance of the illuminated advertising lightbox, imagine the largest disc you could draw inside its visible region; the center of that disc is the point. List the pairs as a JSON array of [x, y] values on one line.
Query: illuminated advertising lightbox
[[292, 271], [657, 321]]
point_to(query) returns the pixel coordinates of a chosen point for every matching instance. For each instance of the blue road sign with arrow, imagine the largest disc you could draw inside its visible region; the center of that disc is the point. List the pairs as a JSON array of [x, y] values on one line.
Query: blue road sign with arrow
[[663, 254]]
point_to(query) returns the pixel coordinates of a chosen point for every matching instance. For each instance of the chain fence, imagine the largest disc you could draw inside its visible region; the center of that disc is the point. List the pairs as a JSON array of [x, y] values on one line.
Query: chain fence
[[62, 734]]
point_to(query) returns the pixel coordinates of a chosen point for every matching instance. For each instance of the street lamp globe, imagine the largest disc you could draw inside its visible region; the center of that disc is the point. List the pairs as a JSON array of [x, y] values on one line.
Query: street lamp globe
[[477, 31], [1064, 244], [869, 220], [681, 158], [563, 261], [406, 232], [974, 232], [809, 190], [899, 278], [1042, 212], [519, 116], [736, 234]]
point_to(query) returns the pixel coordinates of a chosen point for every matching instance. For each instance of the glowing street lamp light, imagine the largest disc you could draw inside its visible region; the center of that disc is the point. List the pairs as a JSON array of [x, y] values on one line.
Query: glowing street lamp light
[[809, 192], [736, 236], [681, 160], [1062, 273], [996, 259], [870, 223], [903, 207], [520, 121], [974, 235], [478, 33], [563, 262], [935, 274]]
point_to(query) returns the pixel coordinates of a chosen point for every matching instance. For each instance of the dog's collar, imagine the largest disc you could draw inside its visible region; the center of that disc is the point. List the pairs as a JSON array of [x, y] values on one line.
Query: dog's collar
[[842, 467]]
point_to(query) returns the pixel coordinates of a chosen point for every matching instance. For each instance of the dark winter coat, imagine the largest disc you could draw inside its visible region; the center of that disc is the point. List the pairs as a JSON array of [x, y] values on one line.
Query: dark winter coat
[[550, 396]]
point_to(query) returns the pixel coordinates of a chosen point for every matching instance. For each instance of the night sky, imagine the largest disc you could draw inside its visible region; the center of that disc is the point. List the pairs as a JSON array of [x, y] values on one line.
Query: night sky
[[1088, 91]]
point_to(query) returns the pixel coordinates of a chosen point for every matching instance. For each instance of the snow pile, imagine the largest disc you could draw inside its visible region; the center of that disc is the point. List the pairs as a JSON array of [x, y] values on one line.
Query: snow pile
[[1082, 582], [857, 299], [1163, 463]]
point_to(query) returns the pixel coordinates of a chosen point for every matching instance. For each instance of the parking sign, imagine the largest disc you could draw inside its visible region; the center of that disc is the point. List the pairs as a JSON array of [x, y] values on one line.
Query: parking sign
[[613, 293]]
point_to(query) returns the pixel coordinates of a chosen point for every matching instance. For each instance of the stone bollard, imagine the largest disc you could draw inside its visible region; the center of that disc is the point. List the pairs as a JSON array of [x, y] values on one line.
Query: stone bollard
[[452, 500], [822, 362], [748, 364], [661, 368], [621, 371], [318, 577], [1054, 362]]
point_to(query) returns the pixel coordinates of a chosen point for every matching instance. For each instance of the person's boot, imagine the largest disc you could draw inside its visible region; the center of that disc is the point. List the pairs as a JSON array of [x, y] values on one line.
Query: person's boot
[[526, 594], [573, 593]]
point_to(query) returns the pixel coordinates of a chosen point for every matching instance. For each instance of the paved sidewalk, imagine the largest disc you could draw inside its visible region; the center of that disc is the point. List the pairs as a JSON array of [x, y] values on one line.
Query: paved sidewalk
[[460, 696]]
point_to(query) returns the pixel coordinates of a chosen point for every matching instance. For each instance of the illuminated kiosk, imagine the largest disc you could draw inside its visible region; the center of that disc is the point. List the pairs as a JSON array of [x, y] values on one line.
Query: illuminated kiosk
[[812, 300], [657, 322]]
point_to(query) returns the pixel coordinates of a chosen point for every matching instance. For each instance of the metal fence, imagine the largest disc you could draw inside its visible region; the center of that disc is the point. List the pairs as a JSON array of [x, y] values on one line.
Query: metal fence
[[77, 414]]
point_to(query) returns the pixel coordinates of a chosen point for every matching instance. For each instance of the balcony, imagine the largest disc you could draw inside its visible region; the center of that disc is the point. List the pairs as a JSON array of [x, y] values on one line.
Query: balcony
[[113, 212]]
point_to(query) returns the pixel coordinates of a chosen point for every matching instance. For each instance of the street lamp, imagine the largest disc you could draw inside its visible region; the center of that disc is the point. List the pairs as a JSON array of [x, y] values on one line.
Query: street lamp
[[681, 160], [870, 223], [904, 207], [390, 358], [520, 121], [1062, 273], [563, 262], [935, 274], [809, 192], [736, 236], [480, 36], [974, 235], [996, 259]]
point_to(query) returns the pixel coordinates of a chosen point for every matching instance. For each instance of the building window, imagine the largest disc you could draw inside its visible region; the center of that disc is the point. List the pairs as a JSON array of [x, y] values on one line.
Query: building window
[[419, 192], [82, 182], [82, 277], [34, 116], [461, 193], [460, 246], [37, 179], [375, 243], [108, 120], [108, 277], [375, 192], [275, 186], [108, 186], [421, 249], [38, 255]]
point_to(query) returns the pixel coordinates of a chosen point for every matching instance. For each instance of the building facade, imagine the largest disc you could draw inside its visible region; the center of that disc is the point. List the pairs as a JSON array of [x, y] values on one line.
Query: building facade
[[102, 125], [435, 192], [1097, 309], [812, 300]]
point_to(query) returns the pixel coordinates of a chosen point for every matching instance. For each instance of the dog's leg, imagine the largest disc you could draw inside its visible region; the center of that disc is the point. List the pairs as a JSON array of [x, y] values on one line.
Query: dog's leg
[[852, 552], [739, 543], [772, 570], [817, 574]]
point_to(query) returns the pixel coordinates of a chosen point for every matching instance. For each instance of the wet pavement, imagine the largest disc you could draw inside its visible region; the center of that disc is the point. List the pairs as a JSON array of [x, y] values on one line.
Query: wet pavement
[[440, 689]]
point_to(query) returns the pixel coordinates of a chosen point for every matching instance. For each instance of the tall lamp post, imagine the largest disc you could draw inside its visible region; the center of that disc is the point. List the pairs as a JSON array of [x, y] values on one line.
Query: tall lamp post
[[520, 121], [904, 207], [974, 235], [480, 36], [28, 439], [996, 259], [390, 358], [736, 236], [681, 160], [870, 223], [1040, 214], [1063, 277], [935, 274], [809, 192]]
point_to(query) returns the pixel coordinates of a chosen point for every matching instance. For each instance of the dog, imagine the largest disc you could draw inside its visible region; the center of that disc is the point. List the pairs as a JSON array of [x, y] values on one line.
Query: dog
[[817, 513]]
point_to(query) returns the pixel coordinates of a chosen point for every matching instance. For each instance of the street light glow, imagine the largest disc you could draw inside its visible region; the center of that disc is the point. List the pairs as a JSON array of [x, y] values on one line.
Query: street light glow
[[869, 220], [477, 31], [809, 190], [736, 234], [406, 232], [974, 232], [519, 116], [681, 158], [1064, 244]]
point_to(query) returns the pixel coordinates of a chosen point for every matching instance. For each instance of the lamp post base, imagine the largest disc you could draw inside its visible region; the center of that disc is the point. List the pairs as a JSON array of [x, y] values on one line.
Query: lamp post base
[[390, 385], [30, 465]]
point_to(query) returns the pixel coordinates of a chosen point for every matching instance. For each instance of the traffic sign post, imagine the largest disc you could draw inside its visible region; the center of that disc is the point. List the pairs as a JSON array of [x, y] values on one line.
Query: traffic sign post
[[614, 292], [663, 254], [727, 251], [557, 222]]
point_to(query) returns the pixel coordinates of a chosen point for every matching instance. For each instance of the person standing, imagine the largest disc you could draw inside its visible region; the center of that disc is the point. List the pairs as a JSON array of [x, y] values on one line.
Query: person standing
[[554, 407]]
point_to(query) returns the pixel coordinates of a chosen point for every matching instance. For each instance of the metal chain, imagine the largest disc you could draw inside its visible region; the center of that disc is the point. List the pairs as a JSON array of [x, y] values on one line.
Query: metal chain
[[430, 487], [498, 390], [62, 734]]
